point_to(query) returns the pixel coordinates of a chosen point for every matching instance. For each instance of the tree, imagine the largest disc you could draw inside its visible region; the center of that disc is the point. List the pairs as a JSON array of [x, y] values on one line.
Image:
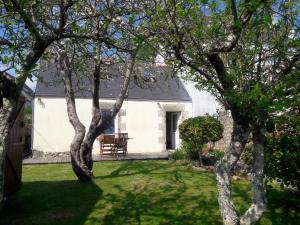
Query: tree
[[82, 144], [116, 40], [27, 29], [242, 52], [200, 130]]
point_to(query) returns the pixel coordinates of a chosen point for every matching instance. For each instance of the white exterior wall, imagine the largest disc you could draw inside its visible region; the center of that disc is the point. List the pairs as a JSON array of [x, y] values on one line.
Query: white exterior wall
[[203, 101], [144, 121]]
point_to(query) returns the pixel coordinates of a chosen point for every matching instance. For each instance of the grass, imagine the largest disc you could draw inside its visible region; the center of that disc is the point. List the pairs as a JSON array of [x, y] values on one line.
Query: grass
[[132, 192]]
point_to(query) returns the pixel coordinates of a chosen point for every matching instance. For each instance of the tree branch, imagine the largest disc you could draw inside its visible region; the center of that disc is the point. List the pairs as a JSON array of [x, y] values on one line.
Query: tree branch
[[27, 20], [63, 15], [4, 41], [121, 97], [258, 206], [291, 63], [180, 57], [238, 26], [219, 67], [234, 10], [118, 104]]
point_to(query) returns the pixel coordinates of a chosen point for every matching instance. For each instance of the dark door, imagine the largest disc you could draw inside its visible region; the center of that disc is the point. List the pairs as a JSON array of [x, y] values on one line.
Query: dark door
[[172, 130]]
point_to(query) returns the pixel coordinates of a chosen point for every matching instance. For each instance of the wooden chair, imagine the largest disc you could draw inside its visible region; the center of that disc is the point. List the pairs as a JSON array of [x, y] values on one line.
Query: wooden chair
[[121, 143], [107, 143]]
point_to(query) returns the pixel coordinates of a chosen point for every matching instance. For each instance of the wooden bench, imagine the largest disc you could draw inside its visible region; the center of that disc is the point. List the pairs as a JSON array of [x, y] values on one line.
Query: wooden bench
[[113, 144]]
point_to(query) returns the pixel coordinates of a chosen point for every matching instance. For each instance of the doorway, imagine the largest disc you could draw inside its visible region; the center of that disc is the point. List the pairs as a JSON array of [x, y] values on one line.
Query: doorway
[[172, 133]]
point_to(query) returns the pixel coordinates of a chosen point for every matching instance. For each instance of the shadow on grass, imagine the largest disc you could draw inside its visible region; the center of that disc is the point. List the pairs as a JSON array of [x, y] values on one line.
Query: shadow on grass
[[51, 202], [283, 207], [166, 195], [131, 168], [136, 192], [165, 205]]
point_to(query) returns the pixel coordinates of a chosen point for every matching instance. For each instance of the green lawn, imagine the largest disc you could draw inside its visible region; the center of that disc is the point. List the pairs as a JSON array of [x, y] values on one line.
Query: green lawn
[[132, 192]]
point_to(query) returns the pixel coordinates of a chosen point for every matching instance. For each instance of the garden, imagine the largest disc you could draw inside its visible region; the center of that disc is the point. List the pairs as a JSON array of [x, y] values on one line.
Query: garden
[[134, 192]]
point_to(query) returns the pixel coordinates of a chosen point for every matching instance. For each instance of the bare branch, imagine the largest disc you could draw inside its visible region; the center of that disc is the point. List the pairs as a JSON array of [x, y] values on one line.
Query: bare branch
[[121, 97], [188, 63], [4, 41], [118, 104], [234, 10], [219, 67], [63, 15]]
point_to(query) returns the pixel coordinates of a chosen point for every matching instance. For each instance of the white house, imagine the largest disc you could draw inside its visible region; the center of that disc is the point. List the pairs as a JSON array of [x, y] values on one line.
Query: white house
[[202, 101], [150, 115]]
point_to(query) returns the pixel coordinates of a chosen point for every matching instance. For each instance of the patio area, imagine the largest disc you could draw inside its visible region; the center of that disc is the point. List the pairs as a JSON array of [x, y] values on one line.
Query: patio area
[[65, 157]]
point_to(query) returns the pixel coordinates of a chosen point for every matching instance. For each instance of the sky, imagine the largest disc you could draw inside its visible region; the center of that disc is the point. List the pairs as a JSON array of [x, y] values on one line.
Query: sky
[[31, 84]]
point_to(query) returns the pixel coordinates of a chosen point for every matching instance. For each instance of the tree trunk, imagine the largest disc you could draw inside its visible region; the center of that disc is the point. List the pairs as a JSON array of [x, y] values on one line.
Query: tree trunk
[[258, 206], [87, 145], [6, 112], [97, 125], [82, 144], [79, 166], [224, 170], [200, 158]]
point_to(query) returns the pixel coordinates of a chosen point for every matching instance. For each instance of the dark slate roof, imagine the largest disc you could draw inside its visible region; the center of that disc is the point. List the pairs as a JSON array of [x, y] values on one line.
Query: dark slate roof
[[163, 88]]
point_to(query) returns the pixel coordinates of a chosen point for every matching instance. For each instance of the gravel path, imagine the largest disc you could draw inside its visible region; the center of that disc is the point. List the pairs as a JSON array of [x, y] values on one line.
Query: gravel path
[[39, 157]]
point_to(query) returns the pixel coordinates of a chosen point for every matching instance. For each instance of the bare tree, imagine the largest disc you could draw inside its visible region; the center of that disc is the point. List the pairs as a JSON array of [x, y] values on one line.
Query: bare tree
[[116, 42], [82, 144]]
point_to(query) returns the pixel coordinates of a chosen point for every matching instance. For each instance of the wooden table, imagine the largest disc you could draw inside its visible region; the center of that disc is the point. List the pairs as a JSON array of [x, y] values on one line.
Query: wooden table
[[113, 144]]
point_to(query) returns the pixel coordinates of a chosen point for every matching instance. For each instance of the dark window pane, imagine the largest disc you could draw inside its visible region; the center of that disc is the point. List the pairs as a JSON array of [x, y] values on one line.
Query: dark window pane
[[111, 128]]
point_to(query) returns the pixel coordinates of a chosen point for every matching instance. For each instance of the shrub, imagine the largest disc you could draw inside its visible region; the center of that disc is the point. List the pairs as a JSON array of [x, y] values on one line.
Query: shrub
[[189, 151], [282, 155], [218, 154], [197, 131], [282, 149], [178, 155], [185, 152]]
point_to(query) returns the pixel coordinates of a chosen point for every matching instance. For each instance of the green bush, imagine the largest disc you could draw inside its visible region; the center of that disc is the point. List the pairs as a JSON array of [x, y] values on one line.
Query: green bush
[[218, 154], [178, 155], [185, 152], [197, 131], [282, 149], [282, 156]]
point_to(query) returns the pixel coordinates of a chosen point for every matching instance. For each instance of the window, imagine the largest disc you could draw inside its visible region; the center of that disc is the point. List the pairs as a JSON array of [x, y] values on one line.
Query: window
[[111, 127]]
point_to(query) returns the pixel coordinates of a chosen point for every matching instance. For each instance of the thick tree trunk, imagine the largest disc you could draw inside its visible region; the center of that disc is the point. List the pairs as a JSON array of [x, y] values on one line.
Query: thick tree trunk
[[97, 125], [258, 207], [82, 144], [224, 170], [87, 145], [78, 164], [80, 169], [6, 112]]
